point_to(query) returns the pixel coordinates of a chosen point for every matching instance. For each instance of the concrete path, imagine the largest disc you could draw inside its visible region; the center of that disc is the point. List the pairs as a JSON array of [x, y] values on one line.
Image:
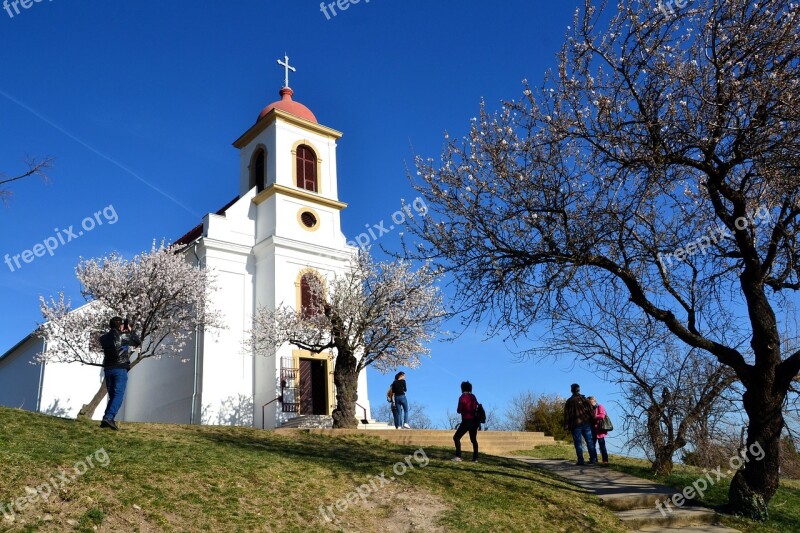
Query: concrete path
[[633, 499]]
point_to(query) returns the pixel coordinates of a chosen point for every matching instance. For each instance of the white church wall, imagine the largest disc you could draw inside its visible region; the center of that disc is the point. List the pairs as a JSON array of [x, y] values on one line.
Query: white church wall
[[286, 137], [160, 390], [265, 139], [328, 231], [266, 366], [227, 380], [19, 378], [69, 386]]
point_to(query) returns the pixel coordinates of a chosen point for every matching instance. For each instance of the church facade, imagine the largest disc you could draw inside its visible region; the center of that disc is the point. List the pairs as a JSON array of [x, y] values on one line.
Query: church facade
[[265, 247]]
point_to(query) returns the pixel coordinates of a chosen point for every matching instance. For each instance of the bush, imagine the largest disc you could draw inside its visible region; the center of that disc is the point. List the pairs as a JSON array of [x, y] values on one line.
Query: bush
[[546, 414]]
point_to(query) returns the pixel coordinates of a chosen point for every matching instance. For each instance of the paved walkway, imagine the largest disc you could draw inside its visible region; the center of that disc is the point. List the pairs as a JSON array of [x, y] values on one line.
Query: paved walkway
[[633, 499]]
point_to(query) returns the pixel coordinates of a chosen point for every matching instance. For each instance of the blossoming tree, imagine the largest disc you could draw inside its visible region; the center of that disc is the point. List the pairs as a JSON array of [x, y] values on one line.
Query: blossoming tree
[[660, 159], [164, 297], [378, 314]]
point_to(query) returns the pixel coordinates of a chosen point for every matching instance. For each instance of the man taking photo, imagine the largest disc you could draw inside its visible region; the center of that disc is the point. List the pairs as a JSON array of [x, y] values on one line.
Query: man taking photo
[[117, 344]]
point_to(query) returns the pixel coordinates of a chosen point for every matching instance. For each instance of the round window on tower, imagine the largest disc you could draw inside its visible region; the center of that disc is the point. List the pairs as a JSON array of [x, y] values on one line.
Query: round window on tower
[[308, 218]]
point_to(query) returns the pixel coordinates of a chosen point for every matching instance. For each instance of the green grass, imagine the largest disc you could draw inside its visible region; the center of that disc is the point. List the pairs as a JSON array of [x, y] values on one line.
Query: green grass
[[784, 508], [200, 478]]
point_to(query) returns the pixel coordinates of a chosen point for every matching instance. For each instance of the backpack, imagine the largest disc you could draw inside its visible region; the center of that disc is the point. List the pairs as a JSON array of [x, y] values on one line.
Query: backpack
[[480, 414]]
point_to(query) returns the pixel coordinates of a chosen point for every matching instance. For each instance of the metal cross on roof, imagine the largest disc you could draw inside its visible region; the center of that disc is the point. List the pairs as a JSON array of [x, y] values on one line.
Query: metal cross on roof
[[286, 68]]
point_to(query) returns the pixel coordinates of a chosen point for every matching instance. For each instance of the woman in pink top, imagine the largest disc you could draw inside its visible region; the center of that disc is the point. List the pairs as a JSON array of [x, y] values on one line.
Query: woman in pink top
[[598, 435]]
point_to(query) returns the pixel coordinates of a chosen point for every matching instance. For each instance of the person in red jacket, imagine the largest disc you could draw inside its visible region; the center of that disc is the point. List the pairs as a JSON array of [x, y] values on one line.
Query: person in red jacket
[[467, 404], [598, 435]]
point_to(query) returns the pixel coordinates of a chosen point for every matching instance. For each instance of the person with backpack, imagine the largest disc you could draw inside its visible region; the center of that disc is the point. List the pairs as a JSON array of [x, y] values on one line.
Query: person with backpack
[[598, 433], [399, 389], [579, 419], [468, 408]]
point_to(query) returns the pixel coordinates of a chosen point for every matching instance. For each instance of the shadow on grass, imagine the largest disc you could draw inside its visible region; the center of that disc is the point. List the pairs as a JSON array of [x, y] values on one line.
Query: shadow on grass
[[372, 455]]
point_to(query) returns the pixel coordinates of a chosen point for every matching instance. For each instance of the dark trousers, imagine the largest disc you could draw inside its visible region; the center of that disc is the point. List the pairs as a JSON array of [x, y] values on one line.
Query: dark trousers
[[470, 426], [602, 442]]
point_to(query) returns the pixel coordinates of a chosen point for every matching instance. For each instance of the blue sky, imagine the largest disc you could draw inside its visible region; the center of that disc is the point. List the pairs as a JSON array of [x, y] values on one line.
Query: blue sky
[[139, 102]]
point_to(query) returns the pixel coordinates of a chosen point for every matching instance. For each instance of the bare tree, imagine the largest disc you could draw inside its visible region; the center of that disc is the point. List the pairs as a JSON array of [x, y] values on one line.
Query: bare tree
[[528, 411], [672, 395], [515, 416], [33, 168], [452, 420], [379, 314], [662, 155], [417, 415]]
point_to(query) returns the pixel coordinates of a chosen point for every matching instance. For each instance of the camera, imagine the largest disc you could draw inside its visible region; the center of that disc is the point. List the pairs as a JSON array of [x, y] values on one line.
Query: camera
[[125, 324]]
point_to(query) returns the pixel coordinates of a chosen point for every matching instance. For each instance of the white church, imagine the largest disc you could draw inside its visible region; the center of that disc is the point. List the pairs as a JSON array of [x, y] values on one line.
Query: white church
[[282, 228]]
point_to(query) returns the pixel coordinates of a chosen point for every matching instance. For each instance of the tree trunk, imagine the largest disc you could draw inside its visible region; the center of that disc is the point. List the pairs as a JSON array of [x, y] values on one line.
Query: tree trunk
[[87, 411], [756, 481], [662, 465], [345, 377]]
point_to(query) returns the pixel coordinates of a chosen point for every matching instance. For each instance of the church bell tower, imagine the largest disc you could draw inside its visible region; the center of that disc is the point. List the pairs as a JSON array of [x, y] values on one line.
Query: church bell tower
[[288, 165]]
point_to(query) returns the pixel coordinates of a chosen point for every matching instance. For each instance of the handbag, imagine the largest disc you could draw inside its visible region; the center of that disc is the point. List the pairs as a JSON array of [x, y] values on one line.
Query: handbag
[[606, 425]]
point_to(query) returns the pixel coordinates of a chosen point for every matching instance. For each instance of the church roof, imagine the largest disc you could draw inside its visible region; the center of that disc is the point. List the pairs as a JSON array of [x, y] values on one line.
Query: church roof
[[289, 106], [28, 337], [197, 231]]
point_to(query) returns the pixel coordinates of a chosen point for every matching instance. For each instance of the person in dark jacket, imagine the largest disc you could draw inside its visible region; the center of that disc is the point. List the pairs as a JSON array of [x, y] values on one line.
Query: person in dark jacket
[[399, 389], [467, 405], [579, 419], [117, 344]]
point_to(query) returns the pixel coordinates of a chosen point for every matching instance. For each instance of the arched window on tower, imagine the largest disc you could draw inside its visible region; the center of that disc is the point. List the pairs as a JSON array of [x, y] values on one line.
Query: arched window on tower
[[306, 168], [258, 170], [310, 297]]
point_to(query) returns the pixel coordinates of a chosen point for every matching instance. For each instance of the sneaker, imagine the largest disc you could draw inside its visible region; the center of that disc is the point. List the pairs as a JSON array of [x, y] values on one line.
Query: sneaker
[[457, 459], [110, 424], [474, 460], [580, 463], [406, 426], [593, 462]]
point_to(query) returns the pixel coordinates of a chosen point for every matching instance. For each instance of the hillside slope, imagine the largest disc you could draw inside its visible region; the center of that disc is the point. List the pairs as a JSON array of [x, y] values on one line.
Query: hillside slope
[[67, 475]]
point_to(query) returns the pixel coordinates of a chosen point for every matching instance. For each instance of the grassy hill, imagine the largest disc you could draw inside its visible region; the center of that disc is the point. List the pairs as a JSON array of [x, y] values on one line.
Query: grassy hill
[[155, 477]]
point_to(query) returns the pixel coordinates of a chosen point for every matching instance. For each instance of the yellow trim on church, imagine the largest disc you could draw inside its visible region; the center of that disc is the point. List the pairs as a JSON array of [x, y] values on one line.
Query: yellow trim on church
[[300, 194], [300, 212], [275, 114]]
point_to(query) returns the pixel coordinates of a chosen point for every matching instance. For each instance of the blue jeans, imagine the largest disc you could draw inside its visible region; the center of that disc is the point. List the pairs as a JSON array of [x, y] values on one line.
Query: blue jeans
[[584, 431], [603, 450], [400, 401], [116, 381]]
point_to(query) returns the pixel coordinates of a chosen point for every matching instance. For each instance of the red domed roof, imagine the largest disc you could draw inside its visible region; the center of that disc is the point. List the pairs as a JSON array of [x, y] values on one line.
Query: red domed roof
[[289, 106]]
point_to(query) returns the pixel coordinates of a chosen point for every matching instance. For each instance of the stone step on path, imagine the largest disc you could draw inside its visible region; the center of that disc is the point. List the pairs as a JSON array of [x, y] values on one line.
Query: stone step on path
[[633, 499]]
